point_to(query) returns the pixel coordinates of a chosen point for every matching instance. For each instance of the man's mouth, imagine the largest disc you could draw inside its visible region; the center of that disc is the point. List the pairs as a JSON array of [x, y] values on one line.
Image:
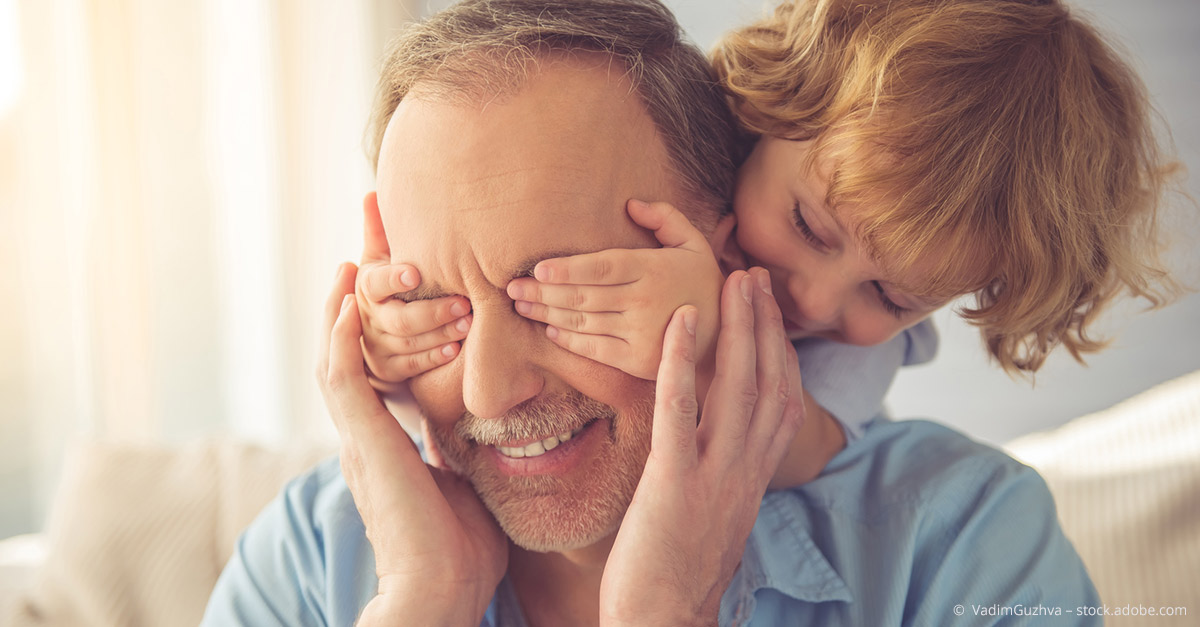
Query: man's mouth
[[554, 455], [539, 447]]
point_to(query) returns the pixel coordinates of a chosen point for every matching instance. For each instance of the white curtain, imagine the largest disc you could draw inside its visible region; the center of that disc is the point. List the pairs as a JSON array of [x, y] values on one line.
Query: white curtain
[[178, 181]]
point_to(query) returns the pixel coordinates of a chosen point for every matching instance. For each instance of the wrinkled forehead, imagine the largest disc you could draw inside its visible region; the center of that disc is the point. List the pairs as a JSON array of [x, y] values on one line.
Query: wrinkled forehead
[[547, 170]]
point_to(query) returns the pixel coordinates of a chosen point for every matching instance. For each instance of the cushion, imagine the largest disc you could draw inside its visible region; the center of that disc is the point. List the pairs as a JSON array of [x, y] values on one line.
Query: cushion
[[138, 535], [1127, 484]]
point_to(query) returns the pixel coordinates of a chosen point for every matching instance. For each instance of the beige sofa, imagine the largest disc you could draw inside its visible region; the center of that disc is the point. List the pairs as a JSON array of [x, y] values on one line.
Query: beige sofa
[[138, 536]]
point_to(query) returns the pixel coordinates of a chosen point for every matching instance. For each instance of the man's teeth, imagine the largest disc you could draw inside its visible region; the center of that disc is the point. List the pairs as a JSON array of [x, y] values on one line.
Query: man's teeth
[[533, 449]]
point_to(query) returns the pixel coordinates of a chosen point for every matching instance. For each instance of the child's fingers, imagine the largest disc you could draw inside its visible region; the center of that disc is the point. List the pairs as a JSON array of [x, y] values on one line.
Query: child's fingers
[[386, 388], [673, 435], [671, 228], [605, 349], [577, 297], [379, 282], [397, 367], [595, 323], [389, 344], [396, 317], [606, 267]]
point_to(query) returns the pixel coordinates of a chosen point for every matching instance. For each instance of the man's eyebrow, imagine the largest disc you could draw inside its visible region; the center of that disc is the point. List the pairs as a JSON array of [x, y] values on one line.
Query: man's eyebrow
[[432, 289], [424, 291], [525, 268]]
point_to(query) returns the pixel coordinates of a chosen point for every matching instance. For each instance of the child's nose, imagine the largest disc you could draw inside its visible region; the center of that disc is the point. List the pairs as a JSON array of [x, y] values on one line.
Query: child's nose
[[820, 302]]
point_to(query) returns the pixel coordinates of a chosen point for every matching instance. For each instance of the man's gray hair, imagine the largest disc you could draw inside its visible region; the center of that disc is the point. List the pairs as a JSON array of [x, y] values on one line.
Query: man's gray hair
[[488, 47]]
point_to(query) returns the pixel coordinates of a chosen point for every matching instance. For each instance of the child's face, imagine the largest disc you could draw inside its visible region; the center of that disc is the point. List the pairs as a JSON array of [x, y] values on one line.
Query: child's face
[[824, 279]]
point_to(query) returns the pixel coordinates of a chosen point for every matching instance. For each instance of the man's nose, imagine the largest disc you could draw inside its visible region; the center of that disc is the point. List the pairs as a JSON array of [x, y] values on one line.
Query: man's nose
[[498, 368]]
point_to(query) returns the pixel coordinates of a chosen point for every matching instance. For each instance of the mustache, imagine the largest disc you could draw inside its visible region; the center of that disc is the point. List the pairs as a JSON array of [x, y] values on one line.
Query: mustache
[[535, 418]]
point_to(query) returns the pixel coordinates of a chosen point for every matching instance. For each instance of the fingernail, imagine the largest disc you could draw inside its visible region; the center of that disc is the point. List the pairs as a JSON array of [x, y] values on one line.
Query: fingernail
[[764, 281], [515, 292], [458, 309], [638, 204], [745, 285], [462, 325], [346, 300], [338, 273], [541, 272], [689, 321], [523, 307], [408, 279], [448, 350], [551, 332]]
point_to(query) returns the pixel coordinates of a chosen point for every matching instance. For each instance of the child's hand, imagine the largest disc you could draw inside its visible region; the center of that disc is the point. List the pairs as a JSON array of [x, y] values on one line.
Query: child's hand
[[401, 339], [613, 306]]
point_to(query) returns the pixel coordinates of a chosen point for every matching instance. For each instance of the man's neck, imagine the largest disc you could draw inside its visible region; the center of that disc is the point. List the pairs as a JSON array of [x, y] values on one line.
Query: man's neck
[[559, 588]]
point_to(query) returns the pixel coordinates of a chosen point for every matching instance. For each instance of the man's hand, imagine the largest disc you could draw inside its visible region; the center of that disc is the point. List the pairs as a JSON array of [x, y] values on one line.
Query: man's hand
[[613, 305], [439, 554], [684, 533], [401, 340]]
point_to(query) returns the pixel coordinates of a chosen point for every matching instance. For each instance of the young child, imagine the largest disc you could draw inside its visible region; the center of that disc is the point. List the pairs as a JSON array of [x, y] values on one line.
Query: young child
[[904, 153]]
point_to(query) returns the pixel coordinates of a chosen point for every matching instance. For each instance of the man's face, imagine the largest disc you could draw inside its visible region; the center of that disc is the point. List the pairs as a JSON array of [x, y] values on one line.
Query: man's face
[[475, 196]]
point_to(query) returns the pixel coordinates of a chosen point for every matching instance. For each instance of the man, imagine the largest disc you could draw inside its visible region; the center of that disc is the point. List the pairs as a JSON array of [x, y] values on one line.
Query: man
[[509, 132]]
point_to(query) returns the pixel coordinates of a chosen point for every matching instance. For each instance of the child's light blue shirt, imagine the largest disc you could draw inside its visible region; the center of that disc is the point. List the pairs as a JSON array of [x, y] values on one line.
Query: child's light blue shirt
[[851, 381]]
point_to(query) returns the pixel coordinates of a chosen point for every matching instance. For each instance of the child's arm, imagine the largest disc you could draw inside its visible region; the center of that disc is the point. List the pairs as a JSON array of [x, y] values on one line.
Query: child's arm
[[848, 383], [851, 381]]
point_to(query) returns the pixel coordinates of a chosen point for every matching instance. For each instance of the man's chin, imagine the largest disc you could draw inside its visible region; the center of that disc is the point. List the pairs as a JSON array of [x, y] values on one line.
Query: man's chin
[[554, 513], [553, 539], [555, 524]]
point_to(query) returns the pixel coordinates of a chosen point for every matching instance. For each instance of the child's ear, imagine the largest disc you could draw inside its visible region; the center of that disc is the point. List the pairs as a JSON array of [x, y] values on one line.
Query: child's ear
[[725, 247]]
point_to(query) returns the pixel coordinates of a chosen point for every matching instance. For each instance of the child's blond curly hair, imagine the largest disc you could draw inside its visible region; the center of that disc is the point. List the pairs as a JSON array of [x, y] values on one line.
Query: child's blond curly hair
[[1005, 130]]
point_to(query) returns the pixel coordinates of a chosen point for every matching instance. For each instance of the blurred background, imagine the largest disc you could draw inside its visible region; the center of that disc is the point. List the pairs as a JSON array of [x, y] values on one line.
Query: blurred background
[[179, 180]]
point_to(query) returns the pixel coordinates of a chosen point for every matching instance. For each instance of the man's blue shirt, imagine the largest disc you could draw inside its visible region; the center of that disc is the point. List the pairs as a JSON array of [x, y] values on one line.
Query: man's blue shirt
[[912, 525]]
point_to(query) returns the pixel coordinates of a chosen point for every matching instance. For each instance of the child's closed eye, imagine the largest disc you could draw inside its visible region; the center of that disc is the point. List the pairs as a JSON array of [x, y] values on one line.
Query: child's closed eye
[[891, 307], [805, 230]]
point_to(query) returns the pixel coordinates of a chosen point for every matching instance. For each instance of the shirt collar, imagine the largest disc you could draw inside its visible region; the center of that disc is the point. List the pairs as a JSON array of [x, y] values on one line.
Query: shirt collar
[[781, 555]]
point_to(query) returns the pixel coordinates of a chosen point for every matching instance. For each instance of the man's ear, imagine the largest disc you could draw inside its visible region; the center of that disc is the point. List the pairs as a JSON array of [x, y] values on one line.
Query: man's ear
[[724, 244], [375, 244]]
